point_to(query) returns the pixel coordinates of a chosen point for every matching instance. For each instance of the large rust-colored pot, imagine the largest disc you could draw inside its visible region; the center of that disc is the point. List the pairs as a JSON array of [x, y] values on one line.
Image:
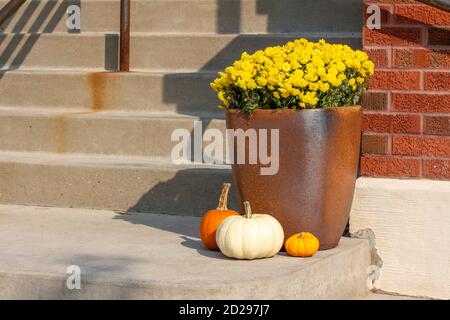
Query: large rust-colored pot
[[318, 160]]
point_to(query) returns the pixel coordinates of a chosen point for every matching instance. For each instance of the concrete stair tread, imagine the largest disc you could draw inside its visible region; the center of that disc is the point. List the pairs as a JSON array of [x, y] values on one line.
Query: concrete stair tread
[[213, 15], [300, 34], [95, 160], [107, 114], [84, 71], [121, 133], [117, 182], [151, 256], [185, 91], [148, 51]]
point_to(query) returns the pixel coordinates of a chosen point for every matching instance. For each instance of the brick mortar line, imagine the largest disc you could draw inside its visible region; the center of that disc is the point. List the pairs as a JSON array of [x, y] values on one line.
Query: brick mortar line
[[405, 157], [421, 170], [400, 134], [410, 5], [425, 36], [389, 57], [415, 91], [397, 4], [408, 113], [390, 144], [384, 112], [408, 69], [415, 47], [417, 25], [421, 135], [421, 79], [422, 26], [404, 69], [389, 101], [406, 46]]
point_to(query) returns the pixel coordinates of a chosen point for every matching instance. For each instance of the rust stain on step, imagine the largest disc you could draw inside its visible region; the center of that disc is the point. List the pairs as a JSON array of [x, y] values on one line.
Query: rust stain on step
[[98, 83], [61, 130], [61, 133]]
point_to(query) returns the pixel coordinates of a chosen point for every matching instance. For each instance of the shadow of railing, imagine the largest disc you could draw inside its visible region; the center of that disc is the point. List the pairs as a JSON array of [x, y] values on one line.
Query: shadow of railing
[[25, 28]]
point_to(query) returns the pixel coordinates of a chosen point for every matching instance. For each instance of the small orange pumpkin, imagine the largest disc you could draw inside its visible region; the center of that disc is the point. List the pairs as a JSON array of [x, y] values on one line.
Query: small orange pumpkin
[[212, 219], [303, 244]]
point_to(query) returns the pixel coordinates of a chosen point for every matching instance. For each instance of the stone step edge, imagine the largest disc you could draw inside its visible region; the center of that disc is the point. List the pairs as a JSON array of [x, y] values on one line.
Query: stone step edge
[[78, 113], [117, 73], [137, 34], [125, 283], [96, 160]]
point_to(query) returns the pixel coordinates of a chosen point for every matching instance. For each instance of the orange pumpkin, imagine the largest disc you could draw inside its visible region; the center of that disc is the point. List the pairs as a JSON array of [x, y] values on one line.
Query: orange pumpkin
[[213, 218], [303, 244]]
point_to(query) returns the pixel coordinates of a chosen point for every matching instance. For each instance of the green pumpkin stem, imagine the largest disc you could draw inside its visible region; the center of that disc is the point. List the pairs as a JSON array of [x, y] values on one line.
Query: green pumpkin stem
[[223, 200], [248, 209]]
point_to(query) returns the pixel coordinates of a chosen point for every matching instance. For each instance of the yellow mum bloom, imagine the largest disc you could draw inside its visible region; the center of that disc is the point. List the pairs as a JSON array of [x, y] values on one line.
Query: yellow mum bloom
[[261, 81], [294, 72], [324, 87], [313, 86]]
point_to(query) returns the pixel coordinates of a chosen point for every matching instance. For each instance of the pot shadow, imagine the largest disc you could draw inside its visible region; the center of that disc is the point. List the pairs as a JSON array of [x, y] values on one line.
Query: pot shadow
[[197, 189], [197, 245]]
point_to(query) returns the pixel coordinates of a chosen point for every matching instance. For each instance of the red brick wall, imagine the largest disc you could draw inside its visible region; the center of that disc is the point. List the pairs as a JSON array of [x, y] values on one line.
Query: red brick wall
[[407, 108]]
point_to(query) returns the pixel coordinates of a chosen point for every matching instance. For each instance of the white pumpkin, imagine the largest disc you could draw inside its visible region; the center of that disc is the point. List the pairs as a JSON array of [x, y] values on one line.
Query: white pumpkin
[[250, 236]]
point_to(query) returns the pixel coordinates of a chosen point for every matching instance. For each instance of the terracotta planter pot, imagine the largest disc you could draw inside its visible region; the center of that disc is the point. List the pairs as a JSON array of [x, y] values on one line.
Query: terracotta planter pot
[[318, 159]]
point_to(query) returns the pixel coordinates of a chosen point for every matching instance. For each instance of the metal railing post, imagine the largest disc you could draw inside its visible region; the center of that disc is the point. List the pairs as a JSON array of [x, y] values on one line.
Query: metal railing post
[[124, 35], [9, 9]]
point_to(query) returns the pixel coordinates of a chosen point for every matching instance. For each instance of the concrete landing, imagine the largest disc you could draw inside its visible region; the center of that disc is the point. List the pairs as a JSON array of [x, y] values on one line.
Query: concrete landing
[[149, 256]]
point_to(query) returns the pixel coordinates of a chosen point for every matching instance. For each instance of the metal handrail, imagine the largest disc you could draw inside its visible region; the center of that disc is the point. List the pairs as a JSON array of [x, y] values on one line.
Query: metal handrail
[[9, 9]]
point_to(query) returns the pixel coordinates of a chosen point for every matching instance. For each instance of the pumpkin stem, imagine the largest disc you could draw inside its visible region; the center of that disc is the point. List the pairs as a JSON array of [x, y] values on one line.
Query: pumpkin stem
[[223, 200], [248, 209]]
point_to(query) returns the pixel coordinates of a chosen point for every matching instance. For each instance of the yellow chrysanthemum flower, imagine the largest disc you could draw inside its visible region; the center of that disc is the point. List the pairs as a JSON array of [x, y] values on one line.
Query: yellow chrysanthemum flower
[[299, 73]]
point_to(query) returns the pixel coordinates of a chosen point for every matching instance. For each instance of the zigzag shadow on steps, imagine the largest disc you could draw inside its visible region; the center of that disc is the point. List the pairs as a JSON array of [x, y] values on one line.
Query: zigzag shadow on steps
[[49, 14]]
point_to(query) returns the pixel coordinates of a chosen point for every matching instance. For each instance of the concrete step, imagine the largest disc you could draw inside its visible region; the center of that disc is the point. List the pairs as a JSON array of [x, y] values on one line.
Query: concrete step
[[149, 256], [186, 93], [107, 133], [51, 16], [212, 52], [215, 16], [115, 183], [96, 51], [148, 51]]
